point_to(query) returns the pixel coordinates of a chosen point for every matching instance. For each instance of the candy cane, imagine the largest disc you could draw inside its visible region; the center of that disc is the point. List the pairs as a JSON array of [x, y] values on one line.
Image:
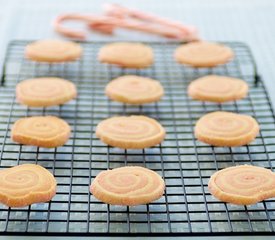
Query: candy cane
[[120, 17]]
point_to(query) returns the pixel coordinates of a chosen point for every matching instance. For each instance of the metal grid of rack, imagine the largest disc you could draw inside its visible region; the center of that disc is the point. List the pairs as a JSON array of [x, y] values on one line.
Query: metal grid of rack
[[186, 208]]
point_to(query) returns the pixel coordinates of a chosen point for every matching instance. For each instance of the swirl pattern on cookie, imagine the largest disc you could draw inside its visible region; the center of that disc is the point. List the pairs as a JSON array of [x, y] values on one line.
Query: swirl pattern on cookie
[[26, 184], [44, 92], [41, 131], [243, 184], [133, 132], [219, 89], [134, 90], [127, 55], [203, 54], [127, 186], [53, 51], [226, 129]]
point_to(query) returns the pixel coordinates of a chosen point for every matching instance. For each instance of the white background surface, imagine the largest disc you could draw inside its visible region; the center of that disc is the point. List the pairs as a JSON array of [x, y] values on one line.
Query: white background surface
[[250, 21]]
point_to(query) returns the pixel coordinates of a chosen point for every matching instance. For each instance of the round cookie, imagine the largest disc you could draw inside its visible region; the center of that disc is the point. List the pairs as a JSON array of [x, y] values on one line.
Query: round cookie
[[53, 51], [218, 89], [26, 184], [41, 131], [127, 186], [242, 185], [226, 129], [127, 55], [133, 132], [203, 54], [134, 90], [45, 92]]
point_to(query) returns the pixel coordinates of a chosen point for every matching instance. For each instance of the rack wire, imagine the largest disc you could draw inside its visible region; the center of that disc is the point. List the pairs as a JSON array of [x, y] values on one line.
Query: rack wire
[[186, 208]]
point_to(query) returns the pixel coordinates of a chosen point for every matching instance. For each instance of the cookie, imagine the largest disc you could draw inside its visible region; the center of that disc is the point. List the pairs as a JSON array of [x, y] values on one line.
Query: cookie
[[42, 131], [26, 184], [134, 90], [218, 89], [127, 186], [226, 129], [203, 54], [45, 92], [133, 132], [242, 185], [53, 51], [127, 55]]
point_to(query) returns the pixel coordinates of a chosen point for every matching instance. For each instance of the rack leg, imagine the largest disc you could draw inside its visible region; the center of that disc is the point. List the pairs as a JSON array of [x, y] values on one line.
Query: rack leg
[[257, 79], [3, 77]]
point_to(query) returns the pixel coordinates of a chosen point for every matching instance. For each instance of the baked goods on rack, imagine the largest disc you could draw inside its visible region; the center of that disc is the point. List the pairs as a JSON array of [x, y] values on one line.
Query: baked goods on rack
[[127, 186], [41, 131], [242, 184], [134, 90], [45, 92], [127, 55], [226, 129], [218, 89], [53, 50], [203, 54], [131, 132], [26, 184]]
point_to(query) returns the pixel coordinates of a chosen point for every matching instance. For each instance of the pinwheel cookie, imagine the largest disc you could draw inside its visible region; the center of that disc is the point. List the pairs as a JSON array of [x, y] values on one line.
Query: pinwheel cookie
[[127, 186], [203, 54], [53, 51], [217, 89], [127, 55], [133, 132], [44, 92], [42, 131], [226, 129], [134, 90], [243, 184], [26, 184]]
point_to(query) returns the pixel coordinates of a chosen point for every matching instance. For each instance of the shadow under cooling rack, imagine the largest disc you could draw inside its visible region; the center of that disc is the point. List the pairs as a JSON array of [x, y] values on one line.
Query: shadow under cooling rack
[[186, 208]]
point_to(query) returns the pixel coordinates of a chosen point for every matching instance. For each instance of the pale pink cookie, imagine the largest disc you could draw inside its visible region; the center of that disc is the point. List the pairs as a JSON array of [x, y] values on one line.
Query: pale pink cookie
[[134, 90], [127, 186], [51, 50], [26, 184], [243, 184], [45, 92], [133, 132], [218, 89], [127, 55], [41, 131], [226, 129], [203, 54]]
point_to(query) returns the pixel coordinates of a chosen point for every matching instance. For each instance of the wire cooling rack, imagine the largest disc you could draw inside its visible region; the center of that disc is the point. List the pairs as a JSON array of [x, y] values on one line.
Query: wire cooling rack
[[186, 208]]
